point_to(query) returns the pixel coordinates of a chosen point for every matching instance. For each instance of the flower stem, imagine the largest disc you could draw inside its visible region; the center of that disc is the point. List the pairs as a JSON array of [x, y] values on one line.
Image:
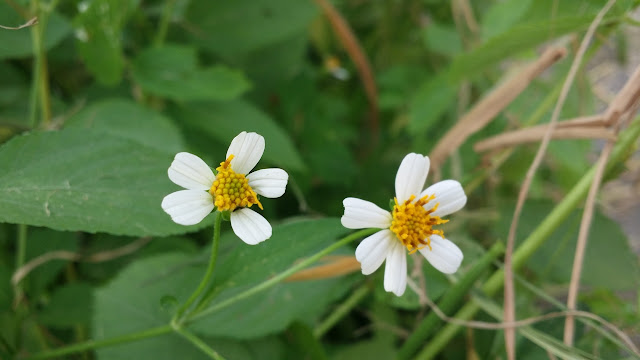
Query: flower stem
[[197, 342], [626, 142], [283, 275], [41, 77], [89, 345], [207, 276]]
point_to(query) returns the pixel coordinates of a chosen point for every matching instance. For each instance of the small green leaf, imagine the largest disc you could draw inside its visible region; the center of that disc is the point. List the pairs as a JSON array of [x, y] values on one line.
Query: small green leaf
[[129, 120], [502, 15], [442, 39], [83, 180], [98, 30], [172, 71], [264, 22], [222, 121]]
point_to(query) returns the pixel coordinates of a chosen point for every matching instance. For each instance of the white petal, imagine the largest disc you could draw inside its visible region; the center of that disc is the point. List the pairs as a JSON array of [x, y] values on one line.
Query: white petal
[[374, 249], [445, 256], [190, 172], [362, 214], [449, 194], [250, 226], [269, 183], [395, 271], [188, 207], [411, 176], [247, 149]]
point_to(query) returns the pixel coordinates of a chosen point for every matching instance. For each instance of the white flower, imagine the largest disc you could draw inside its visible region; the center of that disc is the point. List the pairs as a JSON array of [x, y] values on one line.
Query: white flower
[[409, 225], [229, 190]]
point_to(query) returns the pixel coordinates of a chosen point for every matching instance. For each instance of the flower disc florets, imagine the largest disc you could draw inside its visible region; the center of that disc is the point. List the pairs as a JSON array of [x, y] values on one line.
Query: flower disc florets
[[413, 224], [231, 190]]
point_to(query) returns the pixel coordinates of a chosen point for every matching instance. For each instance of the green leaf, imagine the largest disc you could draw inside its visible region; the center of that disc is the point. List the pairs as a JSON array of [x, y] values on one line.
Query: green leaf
[[83, 180], [608, 262], [431, 100], [172, 71], [239, 267], [99, 26], [502, 15], [18, 43], [129, 120], [72, 296], [263, 22], [222, 121], [442, 39]]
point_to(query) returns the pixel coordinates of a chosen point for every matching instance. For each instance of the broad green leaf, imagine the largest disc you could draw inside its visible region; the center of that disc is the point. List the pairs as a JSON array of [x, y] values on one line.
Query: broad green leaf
[[76, 296], [222, 121], [429, 103], [83, 180], [129, 120], [18, 43], [239, 266], [234, 27], [172, 71], [608, 262], [99, 26]]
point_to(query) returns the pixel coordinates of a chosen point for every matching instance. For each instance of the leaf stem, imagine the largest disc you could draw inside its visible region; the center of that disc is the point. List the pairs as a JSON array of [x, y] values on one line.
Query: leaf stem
[[92, 344], [177, 318], [197, 342], [283, 275], [41, 79]]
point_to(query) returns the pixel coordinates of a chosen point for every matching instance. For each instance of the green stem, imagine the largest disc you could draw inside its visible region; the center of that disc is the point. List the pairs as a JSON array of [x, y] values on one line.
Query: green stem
[[163, 28], [341, 311], [449, 302], [283, 275], [41, 79], [90, 345], [625, 144], [207, 276], [197, 342]]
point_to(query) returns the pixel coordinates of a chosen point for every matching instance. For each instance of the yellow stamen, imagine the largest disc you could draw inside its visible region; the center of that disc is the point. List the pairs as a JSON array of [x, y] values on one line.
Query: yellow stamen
[[413, 224], [231, 190]]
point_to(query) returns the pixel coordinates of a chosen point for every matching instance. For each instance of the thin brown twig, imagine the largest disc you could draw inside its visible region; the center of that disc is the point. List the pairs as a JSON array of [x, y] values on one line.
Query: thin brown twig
[[509, 290], [357, 55], [24, 270], [490, 106], [31, 22]]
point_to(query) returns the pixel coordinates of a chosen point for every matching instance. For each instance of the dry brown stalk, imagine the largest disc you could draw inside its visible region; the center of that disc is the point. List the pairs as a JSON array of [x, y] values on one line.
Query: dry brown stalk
[[509, 290], [490, 106], [25, 269], [357, 55], [335, 265], [31, 22], [535, 134]]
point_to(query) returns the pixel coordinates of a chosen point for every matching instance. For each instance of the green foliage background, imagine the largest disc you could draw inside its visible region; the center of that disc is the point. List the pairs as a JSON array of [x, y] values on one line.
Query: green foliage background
[[98, 97]]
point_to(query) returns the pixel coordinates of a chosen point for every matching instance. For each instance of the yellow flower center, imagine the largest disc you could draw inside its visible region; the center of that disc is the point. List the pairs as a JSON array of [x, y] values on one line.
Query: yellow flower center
[[413, 224], [231, 190]]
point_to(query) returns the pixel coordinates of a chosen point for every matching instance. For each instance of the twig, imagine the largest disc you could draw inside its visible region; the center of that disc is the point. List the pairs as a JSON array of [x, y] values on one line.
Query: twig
[[31, 22], [24, 270], [353, 48], [490, 106], [509, 291], [335, 265]]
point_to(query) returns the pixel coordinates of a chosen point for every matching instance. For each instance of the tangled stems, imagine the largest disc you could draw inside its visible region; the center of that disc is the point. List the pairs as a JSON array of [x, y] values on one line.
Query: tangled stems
[[178, 322]]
